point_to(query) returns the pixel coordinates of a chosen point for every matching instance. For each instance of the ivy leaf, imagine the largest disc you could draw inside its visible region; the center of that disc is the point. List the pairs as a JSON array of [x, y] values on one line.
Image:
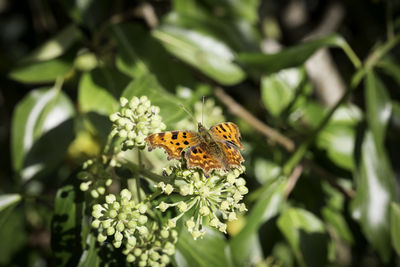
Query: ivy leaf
[[207, 54], [41, 131]]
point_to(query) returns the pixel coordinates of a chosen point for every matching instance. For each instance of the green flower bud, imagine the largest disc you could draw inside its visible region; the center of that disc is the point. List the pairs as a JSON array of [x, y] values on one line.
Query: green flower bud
[[120, 226], [142, 208], [143, 231], [242, 207], [110, 230], [130, 258], [108, 182], [96, 224], [196, 234], [165, 259], [97, 214], [117, 244], [204, 191], [214, 222], [164, 233], [142, 219], [123, 101], [171, 223], [106, 223], [182, 207], [232, 216], [84, 186], [137, 252], [134, 103], [169, 248], [144, 257], [154, 256], [116, 205], [168, 189], [142, 263], [231, 178], [123, 133], [114, 117], [222, 228], [224, 205], [112, 213], [125, 193], [132, 241], [101, 238], [204, 211], [122, 216], [184, 190], [118, 236], [132, 224], [94, 194], [240, 182], [162, 206], [190, 224]]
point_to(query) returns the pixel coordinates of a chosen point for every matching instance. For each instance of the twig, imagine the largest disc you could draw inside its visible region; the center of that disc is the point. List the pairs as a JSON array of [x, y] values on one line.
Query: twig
[[293, 178], [241, 112]]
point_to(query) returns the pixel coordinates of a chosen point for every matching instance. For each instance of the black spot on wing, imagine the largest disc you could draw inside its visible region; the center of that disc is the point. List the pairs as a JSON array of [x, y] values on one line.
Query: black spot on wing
[[222, 128], [186, 142]]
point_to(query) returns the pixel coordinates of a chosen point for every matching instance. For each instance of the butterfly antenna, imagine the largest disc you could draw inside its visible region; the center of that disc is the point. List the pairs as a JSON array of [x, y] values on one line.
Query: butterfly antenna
[[189, 113], [202, 112]]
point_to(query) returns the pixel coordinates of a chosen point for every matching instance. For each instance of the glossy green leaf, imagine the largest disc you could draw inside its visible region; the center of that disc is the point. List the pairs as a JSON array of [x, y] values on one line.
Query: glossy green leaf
[[56, 46], [41, 131], [99, 90], [140, 53], [90, 255], [148, 85], [278, 89], [336, 220], [267, 206], [391, 68], [265, 170], [376, 189], [7, 203], [65, 227], [289, 57], [378, 107], [395, 226], [211, 250], [42, 72], [203, 52], [306, 236], [338, 141]]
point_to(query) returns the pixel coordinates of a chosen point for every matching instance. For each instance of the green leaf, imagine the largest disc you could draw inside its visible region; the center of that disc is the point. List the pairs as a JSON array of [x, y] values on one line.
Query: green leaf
[[306, 236], [278, 89], [65, 227], [266, 207], [336, 220], [289, 57], [395, 226], [378, 107], [148, 85], [338, 140], [391, 68], [211, 250], [90, 255], [140, 53], [7, 203], [376, 189], [100, 89], [42, 129], [203, 52], [265, 170], [42, 72], [56, 46]]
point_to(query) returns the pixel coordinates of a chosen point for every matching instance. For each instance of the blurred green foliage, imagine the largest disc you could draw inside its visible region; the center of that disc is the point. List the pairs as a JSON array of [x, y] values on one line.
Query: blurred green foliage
[[332, 200]]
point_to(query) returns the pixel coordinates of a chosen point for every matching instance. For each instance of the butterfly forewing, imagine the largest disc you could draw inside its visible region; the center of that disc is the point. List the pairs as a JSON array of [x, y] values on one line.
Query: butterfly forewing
[[173, 142], [232, 155], [227, 131]]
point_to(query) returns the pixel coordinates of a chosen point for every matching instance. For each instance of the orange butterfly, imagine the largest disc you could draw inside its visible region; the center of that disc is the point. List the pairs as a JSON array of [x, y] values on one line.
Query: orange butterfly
[[216, 148]]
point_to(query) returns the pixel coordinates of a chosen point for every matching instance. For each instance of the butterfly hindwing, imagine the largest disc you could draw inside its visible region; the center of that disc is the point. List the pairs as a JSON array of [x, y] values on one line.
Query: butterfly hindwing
[[200, 156], [232, 154], [227, 131], [173, 142]]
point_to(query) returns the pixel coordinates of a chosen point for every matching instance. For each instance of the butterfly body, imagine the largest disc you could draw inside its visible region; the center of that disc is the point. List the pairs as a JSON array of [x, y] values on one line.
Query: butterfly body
[[216, 148]]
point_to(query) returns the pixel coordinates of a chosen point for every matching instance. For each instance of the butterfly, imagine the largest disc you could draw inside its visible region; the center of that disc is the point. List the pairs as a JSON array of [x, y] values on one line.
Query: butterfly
[[216, 148]]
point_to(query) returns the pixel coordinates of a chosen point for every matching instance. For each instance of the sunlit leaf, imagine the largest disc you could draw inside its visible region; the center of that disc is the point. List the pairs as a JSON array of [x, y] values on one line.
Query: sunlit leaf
[[41, 131], [289, 57], [99, 90], [203, 52], [56, 46], [211, 250], [7, 203], [375, 191], [278, 89], [90, 255], [42, 72], [306, 235], [378, 107], [267, 206]]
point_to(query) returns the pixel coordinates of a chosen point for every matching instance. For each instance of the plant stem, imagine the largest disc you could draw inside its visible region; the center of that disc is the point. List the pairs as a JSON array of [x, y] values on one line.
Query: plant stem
[[137, 177]]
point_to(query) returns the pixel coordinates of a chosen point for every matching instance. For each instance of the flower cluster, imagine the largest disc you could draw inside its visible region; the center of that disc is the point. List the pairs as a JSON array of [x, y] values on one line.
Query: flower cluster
[[207, 199], [136, 119], [95, 177], [145, 242]]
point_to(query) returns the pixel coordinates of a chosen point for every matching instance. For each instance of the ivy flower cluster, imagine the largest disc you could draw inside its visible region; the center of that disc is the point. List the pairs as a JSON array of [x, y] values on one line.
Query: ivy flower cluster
[[127, 223], [136, 119], [95, 176], [206, 199]]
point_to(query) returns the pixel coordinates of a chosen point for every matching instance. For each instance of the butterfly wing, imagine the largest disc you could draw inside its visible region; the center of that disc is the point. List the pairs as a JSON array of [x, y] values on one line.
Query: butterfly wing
[[173, 142], [232, 155], [202, 157], [227, 131]]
